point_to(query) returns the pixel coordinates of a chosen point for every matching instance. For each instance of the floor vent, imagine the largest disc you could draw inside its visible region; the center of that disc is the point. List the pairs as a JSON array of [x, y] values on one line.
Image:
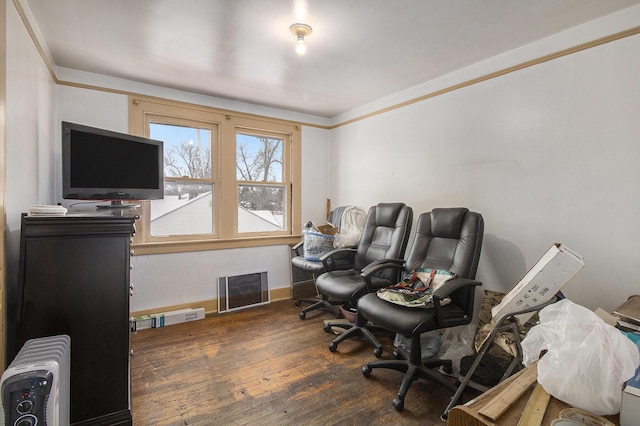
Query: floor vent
[[242, 291]]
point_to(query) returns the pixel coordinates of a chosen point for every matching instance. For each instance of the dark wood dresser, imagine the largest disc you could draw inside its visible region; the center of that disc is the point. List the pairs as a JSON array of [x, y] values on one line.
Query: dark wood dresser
[[73, 279]]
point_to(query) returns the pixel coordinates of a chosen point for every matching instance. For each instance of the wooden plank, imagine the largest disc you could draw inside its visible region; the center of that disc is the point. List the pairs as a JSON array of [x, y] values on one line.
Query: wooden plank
[[502, 400], [467, 414], [494, 390], [536, 407]]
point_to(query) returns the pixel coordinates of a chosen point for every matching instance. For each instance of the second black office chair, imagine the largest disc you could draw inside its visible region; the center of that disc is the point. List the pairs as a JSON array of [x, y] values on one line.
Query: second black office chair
[[384, 239]]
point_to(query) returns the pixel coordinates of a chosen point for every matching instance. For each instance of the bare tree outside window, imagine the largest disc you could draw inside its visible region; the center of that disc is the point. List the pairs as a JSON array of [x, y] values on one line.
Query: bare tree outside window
[[188, 160], [259, 159], [187, 207], [189, 155], [259, 170]]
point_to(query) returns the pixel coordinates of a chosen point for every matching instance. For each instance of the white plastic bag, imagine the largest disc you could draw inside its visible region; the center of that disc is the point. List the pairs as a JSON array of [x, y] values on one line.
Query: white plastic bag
[[457, 342], [429, 343], [587, 360]]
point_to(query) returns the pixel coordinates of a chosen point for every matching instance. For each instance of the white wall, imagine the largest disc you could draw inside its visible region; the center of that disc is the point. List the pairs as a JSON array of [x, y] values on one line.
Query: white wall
[[89, 107], [29, 121], [29, 114], [180, 278], [547, 154], [176, 279], [315, 174]]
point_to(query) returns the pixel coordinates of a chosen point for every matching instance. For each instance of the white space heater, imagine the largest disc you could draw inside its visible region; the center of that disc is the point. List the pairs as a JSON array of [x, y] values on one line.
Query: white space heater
[[35, 387]]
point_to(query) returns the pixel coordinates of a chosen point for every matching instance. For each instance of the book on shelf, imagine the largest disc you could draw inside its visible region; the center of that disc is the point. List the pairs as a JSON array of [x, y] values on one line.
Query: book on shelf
[[628, 325], [629, 311]]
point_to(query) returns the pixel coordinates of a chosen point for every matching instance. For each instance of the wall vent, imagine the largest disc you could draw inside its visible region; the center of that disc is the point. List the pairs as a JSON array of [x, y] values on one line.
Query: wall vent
[[242, 291]]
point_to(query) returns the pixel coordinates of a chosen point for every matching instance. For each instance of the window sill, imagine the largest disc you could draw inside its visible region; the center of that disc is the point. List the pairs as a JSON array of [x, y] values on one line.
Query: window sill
[[205, 245]]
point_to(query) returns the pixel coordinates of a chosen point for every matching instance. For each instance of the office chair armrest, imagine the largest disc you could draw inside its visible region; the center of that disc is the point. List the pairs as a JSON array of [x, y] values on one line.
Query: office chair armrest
[[298, 248], [381, 264], [447, 290], [329, 259], [377, 266], [450, 286]]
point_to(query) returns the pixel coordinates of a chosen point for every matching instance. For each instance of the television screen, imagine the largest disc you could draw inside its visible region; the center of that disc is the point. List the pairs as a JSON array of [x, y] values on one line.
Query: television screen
[[100, 164]]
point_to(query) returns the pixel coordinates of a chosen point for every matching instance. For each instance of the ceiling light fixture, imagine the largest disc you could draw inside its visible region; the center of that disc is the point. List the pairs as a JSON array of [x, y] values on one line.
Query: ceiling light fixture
[[300, 31]]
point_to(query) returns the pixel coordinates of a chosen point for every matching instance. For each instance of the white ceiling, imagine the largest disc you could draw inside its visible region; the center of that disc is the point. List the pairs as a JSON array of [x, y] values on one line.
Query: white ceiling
[[360, 50]]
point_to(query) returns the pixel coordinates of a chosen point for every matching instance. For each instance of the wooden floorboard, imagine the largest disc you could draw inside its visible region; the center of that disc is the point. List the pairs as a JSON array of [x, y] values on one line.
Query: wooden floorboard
[[265, 366]]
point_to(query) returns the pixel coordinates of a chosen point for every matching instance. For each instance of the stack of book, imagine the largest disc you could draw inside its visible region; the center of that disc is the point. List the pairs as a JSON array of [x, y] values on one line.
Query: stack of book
[[628, 314]]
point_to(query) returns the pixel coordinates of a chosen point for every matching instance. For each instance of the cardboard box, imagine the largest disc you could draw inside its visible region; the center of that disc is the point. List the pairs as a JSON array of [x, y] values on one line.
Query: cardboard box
[[164, 319], [177, 317], [141, 323], [629, 311], [328, 229], [630, 408], [552, 272]]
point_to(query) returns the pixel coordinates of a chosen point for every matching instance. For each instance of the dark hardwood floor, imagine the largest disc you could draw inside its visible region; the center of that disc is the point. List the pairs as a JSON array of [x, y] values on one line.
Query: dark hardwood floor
[[265, 366]]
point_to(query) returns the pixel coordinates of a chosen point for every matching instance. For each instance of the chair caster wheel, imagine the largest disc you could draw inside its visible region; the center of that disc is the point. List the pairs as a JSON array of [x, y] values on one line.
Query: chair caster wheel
[[333, 347], [302, 315], [377, 352], [327, 328], [366, 371], [397, 355], [398, 404], [298, 303]]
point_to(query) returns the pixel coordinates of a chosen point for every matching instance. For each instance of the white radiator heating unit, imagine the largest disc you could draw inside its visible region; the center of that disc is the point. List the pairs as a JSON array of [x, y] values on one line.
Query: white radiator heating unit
[[242, 291], [35, 387]]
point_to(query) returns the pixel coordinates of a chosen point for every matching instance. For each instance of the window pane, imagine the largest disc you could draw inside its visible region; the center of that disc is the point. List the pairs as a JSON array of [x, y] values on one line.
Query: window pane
[[261, 208], [187, 150], [259, 159], [187, 208]]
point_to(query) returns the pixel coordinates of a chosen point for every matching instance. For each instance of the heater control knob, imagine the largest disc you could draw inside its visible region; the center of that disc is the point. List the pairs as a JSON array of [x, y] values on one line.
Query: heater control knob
[[26, 420]]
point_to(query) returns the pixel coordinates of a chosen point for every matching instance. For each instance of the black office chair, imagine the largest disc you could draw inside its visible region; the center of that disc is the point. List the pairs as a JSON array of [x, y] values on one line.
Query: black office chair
[[384, 238], [316, 268], [448, 239]]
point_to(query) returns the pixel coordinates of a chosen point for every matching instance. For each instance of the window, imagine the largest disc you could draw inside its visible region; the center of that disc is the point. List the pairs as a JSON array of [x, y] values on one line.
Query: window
[[187, 207], [230, 179], [262, 193]]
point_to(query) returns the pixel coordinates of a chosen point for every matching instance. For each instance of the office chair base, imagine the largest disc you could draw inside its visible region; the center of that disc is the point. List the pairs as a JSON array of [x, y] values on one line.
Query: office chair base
[[354, 330], [411, 374], [327, 305], [414, 368], [310, 301], [398, 404]]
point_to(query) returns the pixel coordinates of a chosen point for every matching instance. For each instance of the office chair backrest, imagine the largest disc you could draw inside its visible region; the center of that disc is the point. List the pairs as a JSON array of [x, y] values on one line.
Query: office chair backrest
[[385, 235], [449, 239]]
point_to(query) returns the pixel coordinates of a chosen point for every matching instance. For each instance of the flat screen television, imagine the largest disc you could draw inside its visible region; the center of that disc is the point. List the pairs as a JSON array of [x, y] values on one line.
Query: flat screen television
[[100, 164]]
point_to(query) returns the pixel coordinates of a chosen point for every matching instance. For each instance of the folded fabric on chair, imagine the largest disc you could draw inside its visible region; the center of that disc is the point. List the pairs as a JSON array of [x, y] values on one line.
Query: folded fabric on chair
[[416, 290], [352, 224]]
